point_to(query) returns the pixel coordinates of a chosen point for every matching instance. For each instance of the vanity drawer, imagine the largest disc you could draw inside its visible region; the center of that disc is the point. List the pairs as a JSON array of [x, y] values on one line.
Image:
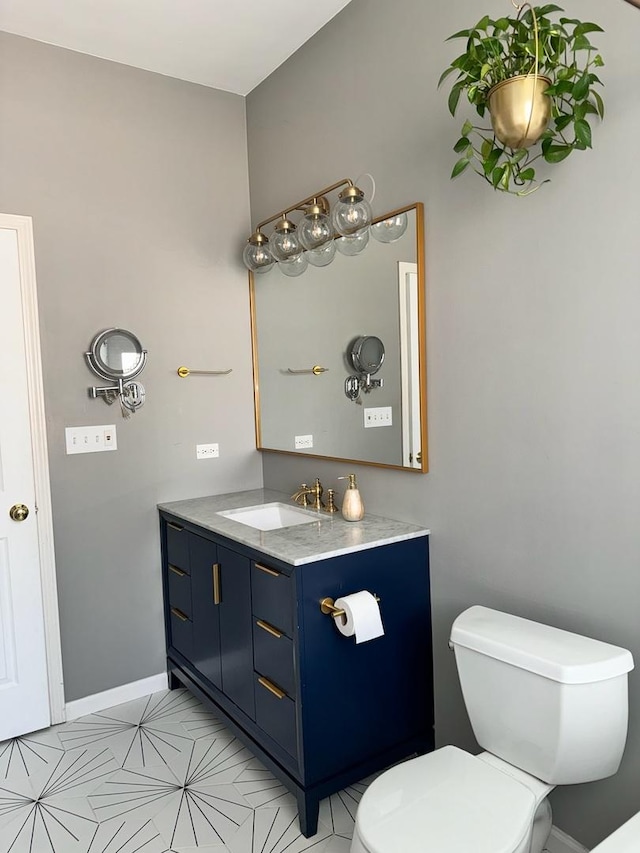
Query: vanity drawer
[[181, 631], [276, 713], [273, 655], [177, 545], [272, 597], [179, 589]]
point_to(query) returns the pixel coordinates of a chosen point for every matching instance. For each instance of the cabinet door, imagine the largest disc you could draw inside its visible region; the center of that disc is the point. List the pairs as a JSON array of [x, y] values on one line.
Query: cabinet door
[[205, 593], [236, 630]]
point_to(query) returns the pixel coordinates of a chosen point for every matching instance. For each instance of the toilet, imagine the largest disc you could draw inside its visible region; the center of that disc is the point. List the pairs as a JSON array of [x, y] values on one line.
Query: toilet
[[548, 707]]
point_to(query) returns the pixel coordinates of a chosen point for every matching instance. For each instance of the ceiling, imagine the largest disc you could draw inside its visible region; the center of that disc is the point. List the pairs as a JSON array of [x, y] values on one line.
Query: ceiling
[[226, 44]]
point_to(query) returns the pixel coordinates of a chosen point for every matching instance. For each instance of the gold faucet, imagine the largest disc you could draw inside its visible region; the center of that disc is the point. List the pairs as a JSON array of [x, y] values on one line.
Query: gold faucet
[[302, 495], [305, 492]]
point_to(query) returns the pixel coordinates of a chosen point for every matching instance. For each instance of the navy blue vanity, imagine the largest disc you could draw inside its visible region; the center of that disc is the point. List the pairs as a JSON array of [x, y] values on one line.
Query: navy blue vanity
[[246, 635]]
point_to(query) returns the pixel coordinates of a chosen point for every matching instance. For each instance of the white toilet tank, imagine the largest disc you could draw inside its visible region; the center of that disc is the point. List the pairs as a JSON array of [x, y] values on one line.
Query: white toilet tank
[[547, 701]]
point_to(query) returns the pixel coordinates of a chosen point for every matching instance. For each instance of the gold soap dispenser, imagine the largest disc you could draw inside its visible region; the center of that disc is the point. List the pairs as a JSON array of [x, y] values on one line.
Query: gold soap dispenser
[[352, 503]]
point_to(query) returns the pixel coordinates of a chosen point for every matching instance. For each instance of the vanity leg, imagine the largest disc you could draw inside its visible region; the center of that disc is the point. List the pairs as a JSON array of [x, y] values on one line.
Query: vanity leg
[[174, 683], [308, 809]]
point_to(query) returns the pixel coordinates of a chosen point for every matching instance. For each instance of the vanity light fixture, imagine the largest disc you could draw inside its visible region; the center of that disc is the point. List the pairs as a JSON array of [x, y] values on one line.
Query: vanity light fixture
[[352, 213], [256, 255], [285, 245], [315, 229], [293, 246]]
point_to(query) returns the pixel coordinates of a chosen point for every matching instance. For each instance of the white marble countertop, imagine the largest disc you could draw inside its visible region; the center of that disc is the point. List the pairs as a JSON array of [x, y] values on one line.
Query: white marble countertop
[[328, 535]]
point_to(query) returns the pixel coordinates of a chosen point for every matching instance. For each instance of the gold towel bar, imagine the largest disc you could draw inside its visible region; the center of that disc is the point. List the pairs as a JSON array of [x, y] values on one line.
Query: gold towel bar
[[183, 372]]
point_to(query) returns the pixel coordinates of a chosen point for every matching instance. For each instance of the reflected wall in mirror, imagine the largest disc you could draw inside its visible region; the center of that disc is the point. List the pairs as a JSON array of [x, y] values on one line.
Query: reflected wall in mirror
[[303, 329]]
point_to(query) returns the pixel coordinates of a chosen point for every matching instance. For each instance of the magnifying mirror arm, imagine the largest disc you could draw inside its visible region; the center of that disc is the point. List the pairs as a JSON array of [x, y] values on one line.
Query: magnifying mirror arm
[[94, 392]]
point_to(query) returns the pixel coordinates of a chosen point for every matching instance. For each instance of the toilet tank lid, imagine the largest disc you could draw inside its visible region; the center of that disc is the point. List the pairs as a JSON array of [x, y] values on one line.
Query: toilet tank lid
[[550, 652]]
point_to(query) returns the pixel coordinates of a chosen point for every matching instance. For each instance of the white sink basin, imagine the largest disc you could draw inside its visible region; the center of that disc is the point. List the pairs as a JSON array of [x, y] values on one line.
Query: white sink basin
[[273, 516]]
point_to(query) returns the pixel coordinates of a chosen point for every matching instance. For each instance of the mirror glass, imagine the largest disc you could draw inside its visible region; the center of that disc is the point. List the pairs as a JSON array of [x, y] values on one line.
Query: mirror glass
[[308, 399], [116, 354]]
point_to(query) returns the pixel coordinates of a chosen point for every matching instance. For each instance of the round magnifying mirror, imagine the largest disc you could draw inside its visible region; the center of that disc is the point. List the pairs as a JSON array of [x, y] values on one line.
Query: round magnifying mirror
[[367, 354], [116, 354]]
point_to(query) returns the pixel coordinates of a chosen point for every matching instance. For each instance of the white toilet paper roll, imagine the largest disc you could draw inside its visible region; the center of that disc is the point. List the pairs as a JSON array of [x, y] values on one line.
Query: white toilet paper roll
[[361, 616]]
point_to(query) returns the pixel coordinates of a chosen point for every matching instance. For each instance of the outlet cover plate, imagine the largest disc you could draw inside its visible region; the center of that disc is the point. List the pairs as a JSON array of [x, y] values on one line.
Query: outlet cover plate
[[303, 442], [207, 451]]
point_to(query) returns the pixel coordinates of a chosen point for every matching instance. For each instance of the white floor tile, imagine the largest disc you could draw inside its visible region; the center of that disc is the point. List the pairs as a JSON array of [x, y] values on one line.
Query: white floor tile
[[156, 775]]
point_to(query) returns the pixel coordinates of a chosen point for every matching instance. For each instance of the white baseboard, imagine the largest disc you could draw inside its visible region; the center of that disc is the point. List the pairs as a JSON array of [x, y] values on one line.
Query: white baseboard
[[560, 842], [116, 696]]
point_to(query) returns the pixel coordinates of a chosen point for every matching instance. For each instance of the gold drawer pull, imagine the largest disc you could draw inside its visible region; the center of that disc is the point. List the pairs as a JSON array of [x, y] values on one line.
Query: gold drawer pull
[[177, 571], [280, 694], [268, 571], [175, 526], [217, 592], [179, 614], [269, 628]]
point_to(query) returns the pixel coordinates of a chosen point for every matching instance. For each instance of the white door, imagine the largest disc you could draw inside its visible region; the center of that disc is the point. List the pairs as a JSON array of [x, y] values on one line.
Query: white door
[[24, 689]]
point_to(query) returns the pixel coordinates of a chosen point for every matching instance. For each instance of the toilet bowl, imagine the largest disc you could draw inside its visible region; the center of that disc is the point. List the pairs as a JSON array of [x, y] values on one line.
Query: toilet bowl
[[549, 707], [448, 801]]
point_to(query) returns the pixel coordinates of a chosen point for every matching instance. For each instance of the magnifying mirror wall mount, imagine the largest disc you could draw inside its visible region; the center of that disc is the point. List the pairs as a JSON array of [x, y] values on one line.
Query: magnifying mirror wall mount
[[117, 355]]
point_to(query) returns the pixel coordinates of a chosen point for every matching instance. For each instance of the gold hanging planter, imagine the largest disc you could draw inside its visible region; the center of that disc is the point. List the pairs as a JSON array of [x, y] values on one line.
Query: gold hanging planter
[[520, 110]]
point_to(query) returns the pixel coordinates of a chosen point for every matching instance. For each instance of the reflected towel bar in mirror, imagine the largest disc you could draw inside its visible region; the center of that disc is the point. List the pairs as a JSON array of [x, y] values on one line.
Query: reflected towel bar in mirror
[[316, 370], [183, 372]]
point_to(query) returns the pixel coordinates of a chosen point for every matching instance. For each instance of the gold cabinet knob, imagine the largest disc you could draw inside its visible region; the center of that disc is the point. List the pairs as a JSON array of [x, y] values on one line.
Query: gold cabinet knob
[[19, 512]]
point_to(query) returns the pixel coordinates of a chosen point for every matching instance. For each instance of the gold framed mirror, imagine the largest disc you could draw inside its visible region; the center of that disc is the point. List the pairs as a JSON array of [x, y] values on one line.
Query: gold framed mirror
[[308, 400]]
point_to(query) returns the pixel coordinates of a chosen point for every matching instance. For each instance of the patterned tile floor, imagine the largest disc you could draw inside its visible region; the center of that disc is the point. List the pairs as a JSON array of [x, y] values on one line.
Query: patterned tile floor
[[157, 775]]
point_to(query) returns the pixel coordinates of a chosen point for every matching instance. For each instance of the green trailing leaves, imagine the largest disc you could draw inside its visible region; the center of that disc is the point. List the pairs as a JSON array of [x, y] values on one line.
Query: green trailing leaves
[[460, 166], [583, 133], [496, 50], [461, 145]]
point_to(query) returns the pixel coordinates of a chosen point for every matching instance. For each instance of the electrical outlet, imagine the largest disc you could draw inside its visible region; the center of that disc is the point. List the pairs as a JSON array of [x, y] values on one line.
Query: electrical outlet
[[378, 417], [92, 439], [303, 442], [207, 451]]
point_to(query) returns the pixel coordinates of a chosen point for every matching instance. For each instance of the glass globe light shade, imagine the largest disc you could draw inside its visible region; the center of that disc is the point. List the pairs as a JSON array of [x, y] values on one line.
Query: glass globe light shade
[[353, 244], [351, 213], [323, 256], [294, 266], [390, 230], [256, 255], [284, 242], [315, 228]]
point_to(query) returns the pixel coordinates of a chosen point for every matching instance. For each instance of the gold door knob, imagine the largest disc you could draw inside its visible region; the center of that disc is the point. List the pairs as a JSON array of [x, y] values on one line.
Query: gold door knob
[[19, 512]]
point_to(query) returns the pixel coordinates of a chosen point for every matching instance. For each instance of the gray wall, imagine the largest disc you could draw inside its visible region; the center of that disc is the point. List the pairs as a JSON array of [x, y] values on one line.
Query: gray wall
[[137, 185], [533, 347]]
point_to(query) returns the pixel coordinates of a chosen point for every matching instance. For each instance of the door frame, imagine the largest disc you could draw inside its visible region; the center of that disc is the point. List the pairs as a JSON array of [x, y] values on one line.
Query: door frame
[[23, 226]]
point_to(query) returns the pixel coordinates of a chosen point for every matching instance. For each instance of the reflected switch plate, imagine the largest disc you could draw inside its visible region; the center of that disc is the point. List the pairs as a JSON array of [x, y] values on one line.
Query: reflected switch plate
[[378, 417]]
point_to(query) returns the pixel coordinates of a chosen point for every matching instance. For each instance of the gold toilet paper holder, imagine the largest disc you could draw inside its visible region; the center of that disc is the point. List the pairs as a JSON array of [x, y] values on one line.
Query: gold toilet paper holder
[[328, 607]]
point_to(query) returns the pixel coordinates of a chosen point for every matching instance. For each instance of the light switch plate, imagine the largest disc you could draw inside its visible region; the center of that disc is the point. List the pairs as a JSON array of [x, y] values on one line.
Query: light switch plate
[[90, 439]]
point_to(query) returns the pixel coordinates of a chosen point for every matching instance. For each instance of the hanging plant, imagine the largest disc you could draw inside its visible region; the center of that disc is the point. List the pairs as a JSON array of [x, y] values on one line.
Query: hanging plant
[[535, 77]]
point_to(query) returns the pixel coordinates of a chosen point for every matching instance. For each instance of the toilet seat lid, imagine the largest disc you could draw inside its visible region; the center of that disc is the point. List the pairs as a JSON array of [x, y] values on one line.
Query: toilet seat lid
[[447, 801]]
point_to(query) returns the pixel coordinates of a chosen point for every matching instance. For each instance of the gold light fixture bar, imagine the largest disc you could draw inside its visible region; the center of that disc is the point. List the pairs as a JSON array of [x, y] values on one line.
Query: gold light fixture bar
[[299, 205]]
